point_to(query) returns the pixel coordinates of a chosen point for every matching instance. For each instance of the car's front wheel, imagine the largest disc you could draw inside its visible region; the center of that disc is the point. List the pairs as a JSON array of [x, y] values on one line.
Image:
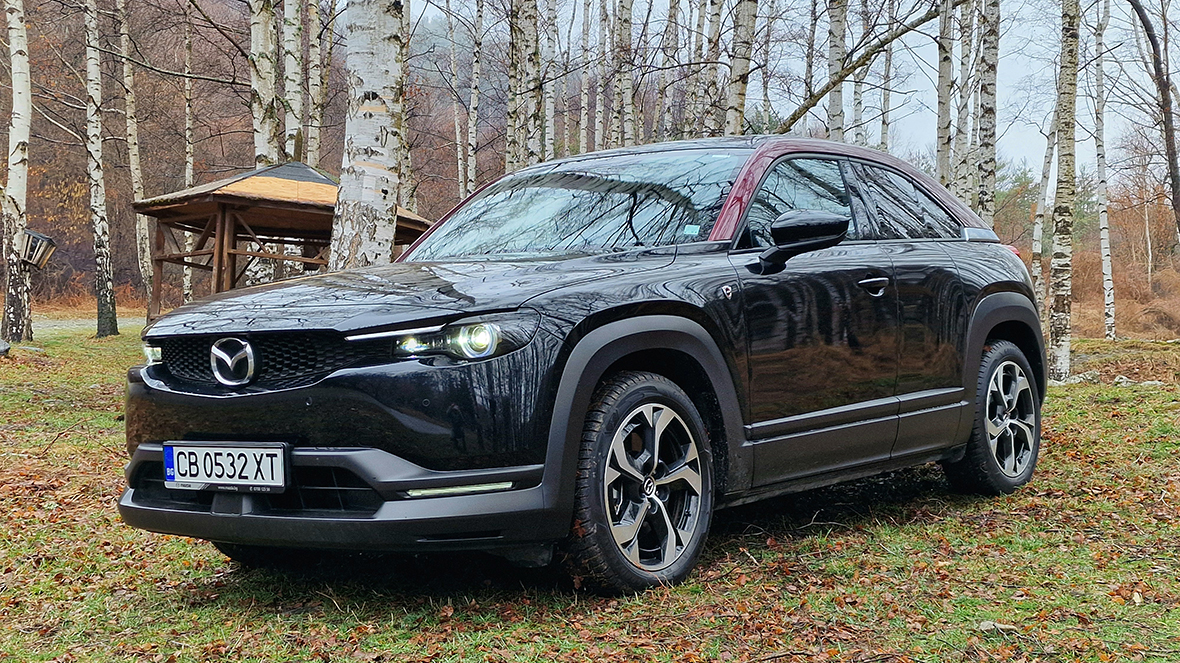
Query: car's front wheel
[[644, 493], [1006, 440]]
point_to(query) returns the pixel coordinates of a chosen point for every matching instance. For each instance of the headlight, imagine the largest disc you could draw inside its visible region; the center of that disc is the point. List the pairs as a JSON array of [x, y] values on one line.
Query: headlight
[[474, 338], [152, 354]]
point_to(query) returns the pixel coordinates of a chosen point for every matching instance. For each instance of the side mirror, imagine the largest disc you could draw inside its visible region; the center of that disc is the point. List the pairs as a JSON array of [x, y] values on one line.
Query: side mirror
[[800, 231]]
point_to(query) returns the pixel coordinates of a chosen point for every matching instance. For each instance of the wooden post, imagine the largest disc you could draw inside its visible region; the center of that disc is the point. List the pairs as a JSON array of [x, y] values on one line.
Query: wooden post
[[158, 271], [229, 242], [218, 253]]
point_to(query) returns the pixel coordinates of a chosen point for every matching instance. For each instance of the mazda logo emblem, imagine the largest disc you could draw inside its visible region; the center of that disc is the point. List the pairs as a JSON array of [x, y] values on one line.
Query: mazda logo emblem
[[232, 360]]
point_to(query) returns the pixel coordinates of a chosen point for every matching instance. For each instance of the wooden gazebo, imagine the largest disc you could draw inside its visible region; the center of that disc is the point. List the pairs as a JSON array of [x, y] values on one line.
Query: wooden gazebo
[[256, 215]]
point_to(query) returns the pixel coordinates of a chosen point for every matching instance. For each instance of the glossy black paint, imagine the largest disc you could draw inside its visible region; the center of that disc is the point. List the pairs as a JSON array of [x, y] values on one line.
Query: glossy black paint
[[847, 360]]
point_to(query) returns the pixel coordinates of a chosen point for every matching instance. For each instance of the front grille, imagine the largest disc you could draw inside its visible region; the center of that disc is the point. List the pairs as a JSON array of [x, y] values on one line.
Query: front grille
[[283, 360], [314, 491]]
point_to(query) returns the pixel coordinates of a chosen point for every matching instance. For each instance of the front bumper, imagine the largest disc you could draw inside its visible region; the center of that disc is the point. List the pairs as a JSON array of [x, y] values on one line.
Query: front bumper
[[369, 511]]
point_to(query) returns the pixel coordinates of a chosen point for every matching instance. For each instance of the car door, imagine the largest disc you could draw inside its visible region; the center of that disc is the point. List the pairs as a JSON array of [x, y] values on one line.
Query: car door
[[822, 333], [914, 229]]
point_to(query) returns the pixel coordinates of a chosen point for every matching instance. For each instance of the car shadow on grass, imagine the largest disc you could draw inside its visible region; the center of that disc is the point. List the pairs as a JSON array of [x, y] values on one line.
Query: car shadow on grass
[[901, 498]]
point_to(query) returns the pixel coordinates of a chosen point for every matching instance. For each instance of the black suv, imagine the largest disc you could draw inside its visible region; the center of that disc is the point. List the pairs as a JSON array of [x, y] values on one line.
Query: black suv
[[589, 356]]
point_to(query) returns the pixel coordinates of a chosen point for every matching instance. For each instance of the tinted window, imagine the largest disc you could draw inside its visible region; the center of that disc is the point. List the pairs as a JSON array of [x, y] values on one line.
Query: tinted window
[[795, 184], [590, 205], [903, 210]]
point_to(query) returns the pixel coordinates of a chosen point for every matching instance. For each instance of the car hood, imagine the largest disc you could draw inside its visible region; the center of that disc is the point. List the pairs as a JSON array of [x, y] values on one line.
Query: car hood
[[390, 295]]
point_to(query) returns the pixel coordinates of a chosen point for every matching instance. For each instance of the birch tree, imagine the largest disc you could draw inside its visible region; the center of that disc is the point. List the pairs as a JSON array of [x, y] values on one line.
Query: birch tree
[[858, 83], [670, 43], [600, 119], [319, 68], [706, 111], [142, 222], [1100, 148], [946, 82], [548, 76], [691, 119], [460, 167], [17, 325], [962, 155], [886, 82], [293, 78], [1061, 265], [473, 101], [104, 286], [837, 51], [767, 36], [268, 135], [186, 282], [625, 88], [366, 206], [989, 49], [584, 91], [1038, 260], [739, 70]]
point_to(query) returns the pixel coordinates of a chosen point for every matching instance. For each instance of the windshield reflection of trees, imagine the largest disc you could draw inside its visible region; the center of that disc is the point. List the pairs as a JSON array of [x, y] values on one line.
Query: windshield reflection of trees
[[603, 204]]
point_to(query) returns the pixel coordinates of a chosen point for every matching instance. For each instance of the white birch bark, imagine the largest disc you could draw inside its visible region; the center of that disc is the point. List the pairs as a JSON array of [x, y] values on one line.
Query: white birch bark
[[603, 87], [186, 283], [837, 27], [512, 113], [961, 152], [142, 222], [456, 114], [1061, 265], [989, 48], [533, 110], [293, 78], [268, 137], [946, 82], [691, 120], [319, 68], [1038, 232], [549, 84], [858, 84], [407, 197], [810, 52], [366, 208], [670, 43], [708, 111], [473, 102], [1100, 148], [584, 91], [625, 89], [17, 325], [767, 36], [745, 15], [104, 286], [886, 82], [1147, 240]]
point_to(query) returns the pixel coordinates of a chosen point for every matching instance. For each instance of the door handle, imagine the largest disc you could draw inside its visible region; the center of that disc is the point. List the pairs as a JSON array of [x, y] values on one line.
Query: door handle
[[875, 285]]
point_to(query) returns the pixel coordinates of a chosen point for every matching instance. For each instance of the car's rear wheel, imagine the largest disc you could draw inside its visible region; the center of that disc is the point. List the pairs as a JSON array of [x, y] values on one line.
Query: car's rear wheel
[[644, 493], [1006, 439]]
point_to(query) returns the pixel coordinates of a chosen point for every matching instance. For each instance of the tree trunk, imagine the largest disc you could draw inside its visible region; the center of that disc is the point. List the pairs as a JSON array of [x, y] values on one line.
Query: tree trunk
[[989, 48], [17, 325], [460, 165], [837, 27], [809, 54], [669, 47], [886, 81], [142, 222], [186, 284], [366, 207], [1061, 266], [1100, 148], [407, 196], [962, 153], [625, 81], [104, 286], [603, 87], [293, 77], [473, 103], [746, 13], [767, 37], [1163, 87], [946, 81], [708, 111], [319, 68], [1038, 261], [858, 84], [584, 93], [549, 82], [691, 120], [268, 137]]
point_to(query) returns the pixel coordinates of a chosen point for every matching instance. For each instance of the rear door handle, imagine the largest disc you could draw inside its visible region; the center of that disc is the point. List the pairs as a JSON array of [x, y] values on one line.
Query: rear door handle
[[875, 286]]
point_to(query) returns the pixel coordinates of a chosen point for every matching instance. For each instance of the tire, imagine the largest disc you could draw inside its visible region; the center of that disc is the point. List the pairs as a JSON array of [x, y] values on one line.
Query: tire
[[644, 487], [1006, 438]]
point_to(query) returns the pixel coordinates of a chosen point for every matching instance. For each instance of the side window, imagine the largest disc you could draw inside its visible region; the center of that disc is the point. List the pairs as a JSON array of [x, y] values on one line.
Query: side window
[[794, 184], [898, 212], [938, 221]]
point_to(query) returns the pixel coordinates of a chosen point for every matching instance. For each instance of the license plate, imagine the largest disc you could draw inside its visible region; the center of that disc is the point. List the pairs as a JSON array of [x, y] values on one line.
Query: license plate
[[251, 468]]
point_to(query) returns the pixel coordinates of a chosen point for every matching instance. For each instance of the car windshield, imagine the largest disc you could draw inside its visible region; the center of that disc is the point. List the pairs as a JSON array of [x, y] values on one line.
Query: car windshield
[[592, 205]]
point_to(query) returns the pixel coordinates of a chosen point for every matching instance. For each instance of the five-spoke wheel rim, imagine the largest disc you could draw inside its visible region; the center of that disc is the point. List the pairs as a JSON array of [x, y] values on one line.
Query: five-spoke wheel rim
[[652, 486], [1011, 419]]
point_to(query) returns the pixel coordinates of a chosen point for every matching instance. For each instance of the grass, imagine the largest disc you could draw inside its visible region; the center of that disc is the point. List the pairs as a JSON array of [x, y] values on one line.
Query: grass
[[1082, 565]]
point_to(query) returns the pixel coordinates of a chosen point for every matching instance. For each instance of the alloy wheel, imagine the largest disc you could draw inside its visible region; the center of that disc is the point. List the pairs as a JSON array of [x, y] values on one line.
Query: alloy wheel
[[1011, 418], [652, 486]]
